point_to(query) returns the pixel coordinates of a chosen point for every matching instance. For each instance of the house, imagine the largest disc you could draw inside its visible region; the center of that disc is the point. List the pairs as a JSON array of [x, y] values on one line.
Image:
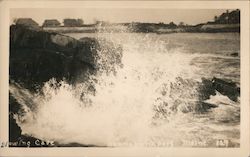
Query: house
[[73, 22], [232, 17], [51, 23], [28, 22]]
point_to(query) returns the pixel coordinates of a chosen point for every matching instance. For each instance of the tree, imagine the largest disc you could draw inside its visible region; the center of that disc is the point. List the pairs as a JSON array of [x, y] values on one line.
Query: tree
[[172, 25], [215, 18], [181, 24]]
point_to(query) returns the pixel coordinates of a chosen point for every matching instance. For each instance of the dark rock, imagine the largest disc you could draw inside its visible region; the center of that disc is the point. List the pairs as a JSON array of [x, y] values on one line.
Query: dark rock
[[88, 53], [14, 130], [37, 56], [32, 67], [204, 107], [23, 37], [227, 88], [235, 54], [208, 87], [14, 106], [107, 54]]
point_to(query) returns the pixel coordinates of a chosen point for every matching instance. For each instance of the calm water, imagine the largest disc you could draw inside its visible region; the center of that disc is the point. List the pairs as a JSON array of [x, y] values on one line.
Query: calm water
[[152, 98]]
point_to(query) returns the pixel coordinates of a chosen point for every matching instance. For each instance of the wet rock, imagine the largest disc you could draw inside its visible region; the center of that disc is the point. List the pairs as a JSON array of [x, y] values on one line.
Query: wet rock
[[227, 88], [23, 37], [88, 53], [204, 107], [183, 88], [107, 57], [63, 41], [235, 54], [208, 87], [14, 106], [32, 67], [37, 56], [14, 130]]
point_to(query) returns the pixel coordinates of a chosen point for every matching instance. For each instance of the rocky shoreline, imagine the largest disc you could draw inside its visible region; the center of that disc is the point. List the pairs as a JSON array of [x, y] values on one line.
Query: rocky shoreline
[[36, 56]]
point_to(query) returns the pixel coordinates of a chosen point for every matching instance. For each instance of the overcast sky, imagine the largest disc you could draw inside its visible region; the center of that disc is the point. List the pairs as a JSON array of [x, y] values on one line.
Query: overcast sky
[[188, 16]]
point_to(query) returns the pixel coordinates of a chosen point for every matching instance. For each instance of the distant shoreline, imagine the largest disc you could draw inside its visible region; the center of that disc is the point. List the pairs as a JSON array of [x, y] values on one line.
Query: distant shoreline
[[226, 22], [148, 28]]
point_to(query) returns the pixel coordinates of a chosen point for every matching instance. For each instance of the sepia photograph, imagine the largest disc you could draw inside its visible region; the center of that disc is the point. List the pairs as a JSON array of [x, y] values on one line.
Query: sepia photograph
[[129, 77]]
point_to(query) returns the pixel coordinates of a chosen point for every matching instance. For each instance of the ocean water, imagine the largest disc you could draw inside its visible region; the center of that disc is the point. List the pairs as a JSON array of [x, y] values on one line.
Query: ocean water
[[151, 100]]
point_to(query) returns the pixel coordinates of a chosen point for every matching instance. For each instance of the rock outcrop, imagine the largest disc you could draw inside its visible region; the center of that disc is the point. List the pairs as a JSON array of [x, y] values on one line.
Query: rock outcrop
[[208, 87], [227, 88], [36, 56]]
